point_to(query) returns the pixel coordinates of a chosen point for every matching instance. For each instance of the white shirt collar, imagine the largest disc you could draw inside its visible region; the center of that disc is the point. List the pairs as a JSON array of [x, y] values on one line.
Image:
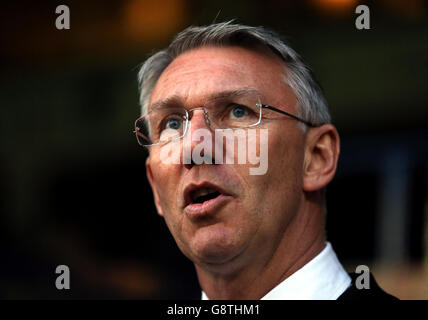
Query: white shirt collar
[[322, 278]]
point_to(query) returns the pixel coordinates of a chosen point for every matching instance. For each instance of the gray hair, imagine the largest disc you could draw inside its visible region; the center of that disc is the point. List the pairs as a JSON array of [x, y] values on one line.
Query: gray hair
[[311, 104]]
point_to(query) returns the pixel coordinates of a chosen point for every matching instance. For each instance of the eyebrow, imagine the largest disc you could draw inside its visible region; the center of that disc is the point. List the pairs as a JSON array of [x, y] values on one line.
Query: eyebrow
[[178, 100], [175, 100]]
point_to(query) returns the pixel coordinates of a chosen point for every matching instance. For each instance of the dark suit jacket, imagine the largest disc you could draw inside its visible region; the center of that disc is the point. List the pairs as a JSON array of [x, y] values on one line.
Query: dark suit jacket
[[374, 293]]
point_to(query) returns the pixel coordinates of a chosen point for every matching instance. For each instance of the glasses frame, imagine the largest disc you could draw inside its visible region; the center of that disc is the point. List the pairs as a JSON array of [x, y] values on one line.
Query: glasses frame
[[189, 115], [308, 123]]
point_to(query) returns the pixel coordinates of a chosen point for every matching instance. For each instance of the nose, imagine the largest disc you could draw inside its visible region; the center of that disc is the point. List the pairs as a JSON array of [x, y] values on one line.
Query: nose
[[199, 141], [201, 115]]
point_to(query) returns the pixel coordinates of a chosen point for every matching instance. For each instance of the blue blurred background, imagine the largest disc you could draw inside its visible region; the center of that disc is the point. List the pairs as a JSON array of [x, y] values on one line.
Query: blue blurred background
[[73, 188]]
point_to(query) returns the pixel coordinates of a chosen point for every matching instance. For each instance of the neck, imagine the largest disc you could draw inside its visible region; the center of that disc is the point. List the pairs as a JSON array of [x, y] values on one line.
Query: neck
[[302, 240]]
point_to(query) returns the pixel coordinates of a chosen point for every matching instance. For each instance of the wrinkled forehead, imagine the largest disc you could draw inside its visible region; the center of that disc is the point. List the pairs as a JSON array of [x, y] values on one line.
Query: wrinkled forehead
[[208, 72], [231, 95]]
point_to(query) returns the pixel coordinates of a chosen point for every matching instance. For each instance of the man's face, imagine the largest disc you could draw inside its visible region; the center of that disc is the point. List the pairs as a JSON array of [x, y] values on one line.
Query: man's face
[[250, 215]]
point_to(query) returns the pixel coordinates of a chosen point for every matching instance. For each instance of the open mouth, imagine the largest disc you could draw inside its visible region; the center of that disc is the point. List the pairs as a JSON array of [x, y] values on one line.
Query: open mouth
[[204, 199], [203, 194], [199, 194]]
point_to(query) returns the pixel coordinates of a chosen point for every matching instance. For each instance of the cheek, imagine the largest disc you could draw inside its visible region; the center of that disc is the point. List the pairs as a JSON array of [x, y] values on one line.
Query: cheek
[[286, 152], [165, 178], [280, 187]]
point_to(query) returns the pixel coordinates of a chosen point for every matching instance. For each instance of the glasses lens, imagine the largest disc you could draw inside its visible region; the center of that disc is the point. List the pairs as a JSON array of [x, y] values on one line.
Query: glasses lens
[[161, 126], [236, 111]]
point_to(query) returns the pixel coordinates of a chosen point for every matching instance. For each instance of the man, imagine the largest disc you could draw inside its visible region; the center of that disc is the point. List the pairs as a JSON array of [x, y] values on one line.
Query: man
[[251, 235]]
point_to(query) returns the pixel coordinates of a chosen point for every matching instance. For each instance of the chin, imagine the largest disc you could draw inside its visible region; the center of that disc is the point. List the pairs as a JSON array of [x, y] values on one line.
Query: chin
[[216, 245]]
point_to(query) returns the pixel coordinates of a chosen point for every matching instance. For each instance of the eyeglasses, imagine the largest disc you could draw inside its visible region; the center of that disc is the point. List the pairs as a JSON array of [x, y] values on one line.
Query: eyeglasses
[[166, 123]]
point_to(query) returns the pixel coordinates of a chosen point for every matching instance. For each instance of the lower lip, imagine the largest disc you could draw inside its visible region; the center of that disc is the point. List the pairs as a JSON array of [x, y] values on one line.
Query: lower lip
[[197, 210]]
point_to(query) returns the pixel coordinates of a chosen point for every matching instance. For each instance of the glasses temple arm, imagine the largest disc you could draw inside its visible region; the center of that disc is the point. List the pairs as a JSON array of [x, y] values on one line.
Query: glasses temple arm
[[310, 124]]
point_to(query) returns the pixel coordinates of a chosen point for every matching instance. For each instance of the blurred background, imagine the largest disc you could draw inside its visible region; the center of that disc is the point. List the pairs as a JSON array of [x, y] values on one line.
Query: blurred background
[[73, 188]]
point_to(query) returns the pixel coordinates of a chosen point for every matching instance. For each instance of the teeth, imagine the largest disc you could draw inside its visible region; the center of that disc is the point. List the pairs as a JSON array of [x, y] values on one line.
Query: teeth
[[202, 192]]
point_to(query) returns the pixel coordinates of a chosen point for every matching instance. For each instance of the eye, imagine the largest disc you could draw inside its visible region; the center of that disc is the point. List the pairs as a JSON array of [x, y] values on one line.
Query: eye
[[239, 112], [174, 124], [171, 127]]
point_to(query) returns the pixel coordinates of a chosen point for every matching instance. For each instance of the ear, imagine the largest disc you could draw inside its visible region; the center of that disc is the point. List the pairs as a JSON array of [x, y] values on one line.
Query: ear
[[153, 185], [321, 157]]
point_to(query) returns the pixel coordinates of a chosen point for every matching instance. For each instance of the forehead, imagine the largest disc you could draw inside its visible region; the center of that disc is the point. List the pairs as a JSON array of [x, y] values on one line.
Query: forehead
[[201, 73]]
